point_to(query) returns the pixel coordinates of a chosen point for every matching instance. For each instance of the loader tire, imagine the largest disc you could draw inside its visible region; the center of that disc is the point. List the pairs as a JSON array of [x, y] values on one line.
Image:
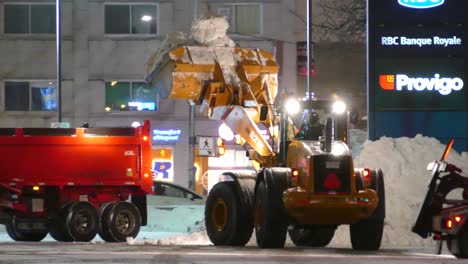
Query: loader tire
[[58, 230], [270, 220], [224, 221], [103, 229], [23, 235], [123, 220], [458, 245], [367, 234], [312, 236], [82, 221]]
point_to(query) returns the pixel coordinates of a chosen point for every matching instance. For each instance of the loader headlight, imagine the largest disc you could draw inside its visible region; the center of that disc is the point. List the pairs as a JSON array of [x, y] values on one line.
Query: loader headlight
[[339, 107], [292, 106]]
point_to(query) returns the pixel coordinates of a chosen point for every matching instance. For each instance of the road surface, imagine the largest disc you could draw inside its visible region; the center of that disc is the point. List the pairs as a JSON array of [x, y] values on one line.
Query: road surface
[[54, 252]]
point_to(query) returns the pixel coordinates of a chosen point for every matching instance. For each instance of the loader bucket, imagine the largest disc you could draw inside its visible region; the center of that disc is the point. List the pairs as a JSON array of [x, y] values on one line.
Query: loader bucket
[[183, 71]]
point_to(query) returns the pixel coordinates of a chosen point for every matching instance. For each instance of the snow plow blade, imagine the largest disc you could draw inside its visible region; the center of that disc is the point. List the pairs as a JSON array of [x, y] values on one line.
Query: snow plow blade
[[182, 72]]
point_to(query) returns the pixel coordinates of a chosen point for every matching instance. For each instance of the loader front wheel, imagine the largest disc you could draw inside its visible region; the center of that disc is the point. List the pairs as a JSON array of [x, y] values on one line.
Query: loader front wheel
[[224, 221], [367, 234], [312, 236], [270, 220]]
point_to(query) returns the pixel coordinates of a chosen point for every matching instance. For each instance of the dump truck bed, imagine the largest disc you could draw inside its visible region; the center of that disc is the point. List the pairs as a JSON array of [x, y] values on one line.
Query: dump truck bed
[[75, 157]]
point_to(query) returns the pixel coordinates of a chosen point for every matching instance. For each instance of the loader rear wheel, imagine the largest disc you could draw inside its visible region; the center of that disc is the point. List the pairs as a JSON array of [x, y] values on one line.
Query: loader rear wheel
[[224, 222], [82, 221], [17, 234], [103, 229], [312, 236], [367, 234], [58, 230], [458, 245], [270, 220], [123, 220]]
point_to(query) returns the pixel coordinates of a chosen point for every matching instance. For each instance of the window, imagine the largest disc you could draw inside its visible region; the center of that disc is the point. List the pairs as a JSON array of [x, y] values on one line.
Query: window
[[131, 19], [29, 18], [242, 18], [130, 96], [30, 96]]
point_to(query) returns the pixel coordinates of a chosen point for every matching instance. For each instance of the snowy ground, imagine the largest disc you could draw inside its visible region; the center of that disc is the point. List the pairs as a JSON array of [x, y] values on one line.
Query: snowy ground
[[403, 161]]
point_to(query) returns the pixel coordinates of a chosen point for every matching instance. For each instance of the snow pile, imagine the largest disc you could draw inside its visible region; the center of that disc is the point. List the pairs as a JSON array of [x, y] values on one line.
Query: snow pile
[[357, 138], [403, 162], [208, 31]]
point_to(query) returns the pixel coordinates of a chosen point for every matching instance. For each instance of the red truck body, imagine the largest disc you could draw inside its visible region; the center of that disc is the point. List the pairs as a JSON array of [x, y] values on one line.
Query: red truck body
[[44, 170]]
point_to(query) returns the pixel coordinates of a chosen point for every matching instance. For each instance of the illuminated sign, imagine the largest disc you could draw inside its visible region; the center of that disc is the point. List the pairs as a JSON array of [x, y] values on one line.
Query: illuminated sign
[[163, 170], [420, 4], [433, 41], [443, 85], [143, 106], [166, 135]]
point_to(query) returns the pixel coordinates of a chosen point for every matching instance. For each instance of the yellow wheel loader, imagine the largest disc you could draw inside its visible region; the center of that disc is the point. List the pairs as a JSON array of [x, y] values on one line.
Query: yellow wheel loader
[[306, 186]]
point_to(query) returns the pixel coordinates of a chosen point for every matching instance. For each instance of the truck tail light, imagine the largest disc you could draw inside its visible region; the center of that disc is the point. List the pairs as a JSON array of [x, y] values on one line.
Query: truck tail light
[[366, 177], [457, 219], [448, 224], [145, 138], [294, 176], [366, 173], [35, 188]]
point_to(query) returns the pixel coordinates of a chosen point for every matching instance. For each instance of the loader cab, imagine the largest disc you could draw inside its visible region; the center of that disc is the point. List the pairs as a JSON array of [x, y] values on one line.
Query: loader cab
[[312, 121]]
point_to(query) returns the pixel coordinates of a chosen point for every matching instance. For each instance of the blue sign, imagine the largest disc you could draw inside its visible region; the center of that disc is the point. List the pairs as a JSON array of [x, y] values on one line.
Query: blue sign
[[421, 3], [167, 135]]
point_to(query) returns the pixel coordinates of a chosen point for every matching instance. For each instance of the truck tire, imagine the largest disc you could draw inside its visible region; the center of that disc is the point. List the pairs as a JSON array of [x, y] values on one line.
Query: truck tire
[[24, 235], [82, 221], [57, 229], [103, 229], [123, 220], [312, 236], [367, 234], [458, 245], [270, 221], [223, 219]]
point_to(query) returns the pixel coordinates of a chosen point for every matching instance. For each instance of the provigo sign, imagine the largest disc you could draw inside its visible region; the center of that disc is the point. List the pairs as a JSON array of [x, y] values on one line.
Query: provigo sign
[[398, 82], [421, 3]]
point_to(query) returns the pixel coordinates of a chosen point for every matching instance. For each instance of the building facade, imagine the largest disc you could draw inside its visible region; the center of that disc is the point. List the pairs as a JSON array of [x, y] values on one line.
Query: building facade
[[105, 45]]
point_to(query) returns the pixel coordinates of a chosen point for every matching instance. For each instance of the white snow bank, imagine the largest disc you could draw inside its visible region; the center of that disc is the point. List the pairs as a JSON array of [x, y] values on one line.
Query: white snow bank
[[403, 162]]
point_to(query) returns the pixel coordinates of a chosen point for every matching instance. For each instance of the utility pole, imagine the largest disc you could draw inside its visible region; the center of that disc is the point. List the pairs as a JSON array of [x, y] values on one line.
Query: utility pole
[[191, 149], [58, 34], [309, 47]]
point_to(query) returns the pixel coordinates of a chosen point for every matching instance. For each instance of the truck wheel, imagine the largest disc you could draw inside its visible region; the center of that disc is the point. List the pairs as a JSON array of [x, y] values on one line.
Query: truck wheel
[[270, 221], [458, 245], [223, 219], [312, 236], [123, 220], [367, 234], [23, 235], [103, 229], [57, 229], [82, 221]]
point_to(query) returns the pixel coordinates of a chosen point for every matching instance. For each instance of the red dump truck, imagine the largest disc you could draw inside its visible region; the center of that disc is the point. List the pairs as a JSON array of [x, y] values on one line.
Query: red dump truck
[[74, 183]]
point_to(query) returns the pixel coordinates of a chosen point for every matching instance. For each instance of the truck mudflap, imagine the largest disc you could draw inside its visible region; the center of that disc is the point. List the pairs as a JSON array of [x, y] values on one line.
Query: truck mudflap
[[329, 209]]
